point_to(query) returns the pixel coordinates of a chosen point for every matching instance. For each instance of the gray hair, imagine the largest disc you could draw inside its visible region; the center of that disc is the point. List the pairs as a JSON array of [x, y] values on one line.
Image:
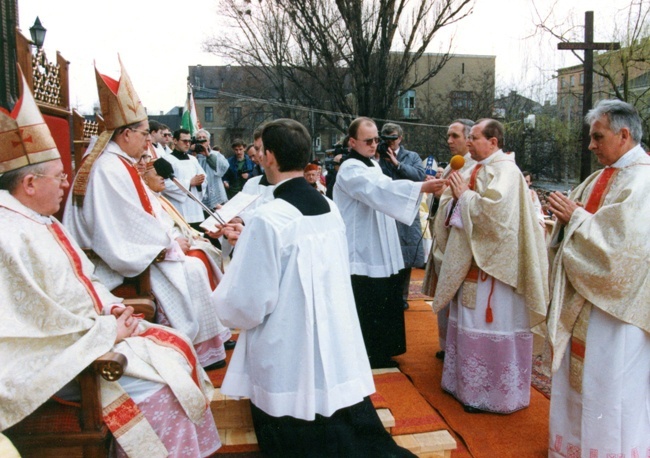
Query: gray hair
[[466, 123], [620, 114], [9, 181], [203, 131], [390, 127]]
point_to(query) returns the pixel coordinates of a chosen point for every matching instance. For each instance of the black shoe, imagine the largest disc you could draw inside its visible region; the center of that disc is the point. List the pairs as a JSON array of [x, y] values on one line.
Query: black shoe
[[406, 305], [440, 355], [389, 363], [470, 409], [217, 365], [229, 344]]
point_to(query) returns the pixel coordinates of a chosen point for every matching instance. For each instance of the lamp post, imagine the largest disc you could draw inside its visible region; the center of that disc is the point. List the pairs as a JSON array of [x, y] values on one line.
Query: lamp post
[[37, 31]]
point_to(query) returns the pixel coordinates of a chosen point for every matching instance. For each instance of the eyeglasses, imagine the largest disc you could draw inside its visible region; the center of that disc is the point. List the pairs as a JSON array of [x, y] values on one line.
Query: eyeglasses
[[62, 177], [145, 159], [370, 141], [143, 132], [186, 141], [167, 135]]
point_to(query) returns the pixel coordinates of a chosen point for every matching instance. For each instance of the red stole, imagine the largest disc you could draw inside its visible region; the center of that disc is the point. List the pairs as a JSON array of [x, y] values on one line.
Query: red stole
[[599, 192], [168, 339], [139, 187], [579, 331], [75, 261]]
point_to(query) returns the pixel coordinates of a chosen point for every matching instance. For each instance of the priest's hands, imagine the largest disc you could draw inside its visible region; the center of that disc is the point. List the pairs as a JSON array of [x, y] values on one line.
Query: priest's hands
[[435, 186], [458, 185], [127, 324], [197, 180], [232, 231], [184, 244], [562, 207]]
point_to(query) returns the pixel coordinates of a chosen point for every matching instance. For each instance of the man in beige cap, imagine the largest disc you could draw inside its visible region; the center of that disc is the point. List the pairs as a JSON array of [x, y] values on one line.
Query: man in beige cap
[[110, 212], [58, 318]]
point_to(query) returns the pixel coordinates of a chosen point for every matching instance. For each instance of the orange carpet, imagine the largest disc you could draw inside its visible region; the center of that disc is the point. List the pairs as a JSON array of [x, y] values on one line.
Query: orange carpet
[[522, 434], [411, 411]]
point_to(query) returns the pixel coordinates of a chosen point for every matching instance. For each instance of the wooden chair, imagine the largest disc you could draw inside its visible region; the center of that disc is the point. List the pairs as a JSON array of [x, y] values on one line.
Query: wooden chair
[[69, 429], [137, 293]]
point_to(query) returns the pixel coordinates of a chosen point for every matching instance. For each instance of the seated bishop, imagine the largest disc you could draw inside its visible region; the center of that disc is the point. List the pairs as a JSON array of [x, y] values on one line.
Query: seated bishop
[[58, 317], [110, 212]]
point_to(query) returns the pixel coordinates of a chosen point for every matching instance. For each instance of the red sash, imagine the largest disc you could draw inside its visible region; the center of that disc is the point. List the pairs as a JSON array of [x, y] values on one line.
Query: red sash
[[599, 192], [139, 187], [75, 262]]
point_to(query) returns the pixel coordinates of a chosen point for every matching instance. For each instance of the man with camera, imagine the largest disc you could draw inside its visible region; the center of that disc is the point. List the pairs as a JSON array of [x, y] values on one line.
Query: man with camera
[[215, 165], [401, 164], [191, 175]]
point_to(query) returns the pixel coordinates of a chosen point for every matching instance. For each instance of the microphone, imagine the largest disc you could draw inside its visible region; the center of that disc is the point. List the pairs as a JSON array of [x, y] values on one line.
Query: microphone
[[455, 163], [165, 170]]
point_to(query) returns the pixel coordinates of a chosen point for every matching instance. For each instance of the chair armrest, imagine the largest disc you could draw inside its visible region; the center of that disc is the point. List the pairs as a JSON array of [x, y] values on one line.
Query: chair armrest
[[142, 305], [110, 366]]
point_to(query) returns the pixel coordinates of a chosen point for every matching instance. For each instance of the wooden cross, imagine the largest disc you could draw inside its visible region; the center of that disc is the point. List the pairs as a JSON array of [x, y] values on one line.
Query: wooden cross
[[587, 89]]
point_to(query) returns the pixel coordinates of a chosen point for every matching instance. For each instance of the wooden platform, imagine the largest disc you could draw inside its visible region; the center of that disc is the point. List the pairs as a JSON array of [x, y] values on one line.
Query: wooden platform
[[235, 425]]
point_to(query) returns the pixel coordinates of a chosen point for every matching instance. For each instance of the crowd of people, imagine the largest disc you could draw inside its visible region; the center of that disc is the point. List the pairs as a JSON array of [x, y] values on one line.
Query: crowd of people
[[311, 331]]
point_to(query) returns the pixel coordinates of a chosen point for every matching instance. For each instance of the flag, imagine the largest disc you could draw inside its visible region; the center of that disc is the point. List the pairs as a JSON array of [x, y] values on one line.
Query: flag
[[190, 120]]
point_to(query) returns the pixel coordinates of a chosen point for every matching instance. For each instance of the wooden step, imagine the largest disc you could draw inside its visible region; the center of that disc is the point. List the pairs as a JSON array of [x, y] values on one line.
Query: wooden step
[[436, 444]]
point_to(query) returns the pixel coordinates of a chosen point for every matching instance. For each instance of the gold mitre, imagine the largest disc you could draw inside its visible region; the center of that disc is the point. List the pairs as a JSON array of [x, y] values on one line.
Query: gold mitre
[[119, 102], [25, 139], [121, 106]]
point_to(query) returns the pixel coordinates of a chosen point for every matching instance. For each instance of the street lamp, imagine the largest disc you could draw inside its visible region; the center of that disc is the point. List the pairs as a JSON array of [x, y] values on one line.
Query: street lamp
[[37, 31]]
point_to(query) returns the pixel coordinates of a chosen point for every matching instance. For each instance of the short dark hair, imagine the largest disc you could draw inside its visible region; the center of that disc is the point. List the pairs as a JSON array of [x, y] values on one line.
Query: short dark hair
[[178, 132], [237, 142], [154, 126], [258, 132], [526, 173], [354, 125], [290, 143], [492, 129]]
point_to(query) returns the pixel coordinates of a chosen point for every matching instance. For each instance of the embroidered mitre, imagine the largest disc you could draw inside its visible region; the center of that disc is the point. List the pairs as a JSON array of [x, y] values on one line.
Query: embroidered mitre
[[25, 139]]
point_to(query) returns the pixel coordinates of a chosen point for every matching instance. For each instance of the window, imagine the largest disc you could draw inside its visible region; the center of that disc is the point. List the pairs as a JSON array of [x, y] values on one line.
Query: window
[[235, 115], [571, 81], [562, 82], [334, 139], [208, 114], [582, 78], [461, 99], [462, 69]]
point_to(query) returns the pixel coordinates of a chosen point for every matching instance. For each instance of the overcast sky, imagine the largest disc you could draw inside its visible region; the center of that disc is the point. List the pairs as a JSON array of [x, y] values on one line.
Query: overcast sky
[[158, 40]]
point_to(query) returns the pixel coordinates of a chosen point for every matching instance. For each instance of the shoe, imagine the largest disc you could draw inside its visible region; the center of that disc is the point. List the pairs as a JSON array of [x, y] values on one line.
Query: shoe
[[406, 305], [229, 344], [389, 363], [217, 365], [440, 355], [470, 409]]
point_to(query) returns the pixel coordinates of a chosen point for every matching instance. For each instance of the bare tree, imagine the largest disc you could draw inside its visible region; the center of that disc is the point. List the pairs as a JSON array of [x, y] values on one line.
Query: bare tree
[[348, 56], [625, 72]]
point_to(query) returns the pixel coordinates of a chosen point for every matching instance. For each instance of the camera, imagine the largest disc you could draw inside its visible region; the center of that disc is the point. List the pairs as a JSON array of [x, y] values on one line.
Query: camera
[[197, 145], [382, 148]]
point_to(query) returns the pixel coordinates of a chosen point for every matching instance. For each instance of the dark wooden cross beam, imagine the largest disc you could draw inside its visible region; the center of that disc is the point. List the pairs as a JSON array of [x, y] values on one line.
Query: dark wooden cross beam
[[588, 87]]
